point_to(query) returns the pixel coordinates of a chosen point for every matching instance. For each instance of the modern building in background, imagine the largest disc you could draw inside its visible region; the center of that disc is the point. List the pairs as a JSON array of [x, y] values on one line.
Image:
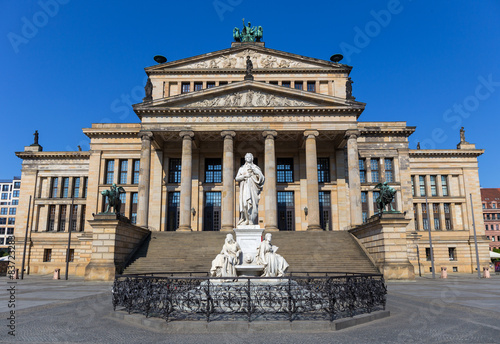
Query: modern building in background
[[491, 215], [9, 202], [298, 117]]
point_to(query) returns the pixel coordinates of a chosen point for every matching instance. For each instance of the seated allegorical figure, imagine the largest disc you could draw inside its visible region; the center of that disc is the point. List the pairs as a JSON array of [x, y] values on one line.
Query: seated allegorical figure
[[224, 265], [274, 264]]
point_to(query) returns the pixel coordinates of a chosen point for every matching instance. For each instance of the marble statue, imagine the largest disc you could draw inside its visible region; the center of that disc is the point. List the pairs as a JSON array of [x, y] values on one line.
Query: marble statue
[[224, 265], [251, 182], [274, 264]]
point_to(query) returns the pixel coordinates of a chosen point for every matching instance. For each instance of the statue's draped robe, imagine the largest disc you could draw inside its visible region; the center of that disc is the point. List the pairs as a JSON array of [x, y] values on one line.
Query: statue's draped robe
[[275, 265], [224, 265], [250, 190]]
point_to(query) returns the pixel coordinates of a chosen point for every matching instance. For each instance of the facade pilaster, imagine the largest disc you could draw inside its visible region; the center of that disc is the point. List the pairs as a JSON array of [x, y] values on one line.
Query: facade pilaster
[[270, 194], [354, 182], [313, 219], [144, 180], [228, 181], [186, 183]]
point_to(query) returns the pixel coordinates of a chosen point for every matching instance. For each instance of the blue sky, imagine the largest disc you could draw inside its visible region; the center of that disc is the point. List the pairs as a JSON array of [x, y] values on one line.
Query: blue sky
[[66, 64]]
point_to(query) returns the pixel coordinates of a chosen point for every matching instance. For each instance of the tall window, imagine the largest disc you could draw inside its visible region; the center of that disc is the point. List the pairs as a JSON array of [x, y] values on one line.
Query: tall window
[[452, 253], [82, 218], [12, 211], [3, 211], [12, 221], [284, 170], [110, 171], [447, 216], [311, 86], [47, 255], [137, 165], [389, 170], [133, 208], [123, 200], [375, 172], [213, 170], [15, 193], [433, 186], [76, 187], [362, 171], [325, 206], [198, 86], [364, 206], [62, 218], [71, 257], [435, 209], [17, 185], [52, 218], [428, 253], [425, 217], [421, 180], [376, 195], [173, 210], [299, 85], [444, 185], [415, 216], [323, 170], [174, 171], [286, 211], [55, 189], [73, 218], [123, 171], [212, 211], [65, 186], [412, 186], [185, 87], [85, 187]]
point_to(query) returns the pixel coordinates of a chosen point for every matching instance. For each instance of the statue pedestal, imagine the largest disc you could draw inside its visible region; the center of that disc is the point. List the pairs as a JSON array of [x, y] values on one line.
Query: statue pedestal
[[249, 238]]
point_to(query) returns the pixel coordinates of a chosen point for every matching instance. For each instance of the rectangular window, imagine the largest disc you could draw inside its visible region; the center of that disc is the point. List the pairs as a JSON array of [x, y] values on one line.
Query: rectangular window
[[74, 217], [412, 186], [85, 187], [55, 182], [284, 170], [76, 187], [71, 255], [174, 170], [375, 172], [447, 216], [123, 200], [212, 211], [137, 166], [17, 185], [3, 220], [421, 180], [47, 255], [389, 170], [273, 82], [425, 218], [15, 193], [222, 83], [123, 171], [3, 211], [2, 231], [435, 210], [62, 219], [285, 83], [198, 86], [12, 221], [12, 211], [415, 217], [325, 206], [428, 253], [5, 196], [433, 186], [2, 241], [65, 185], [210, 84], [311, 86], [52, 218], [323, 170], [110, 171], [286, 211], [376, 195], [444, 185], [213, 170], [364, 206], [133, 209], [15, 202], [10, 231], [5, 188], [173, 210], [362, 171], [82, 218], [452, 253], [299, 85], [185, 87]]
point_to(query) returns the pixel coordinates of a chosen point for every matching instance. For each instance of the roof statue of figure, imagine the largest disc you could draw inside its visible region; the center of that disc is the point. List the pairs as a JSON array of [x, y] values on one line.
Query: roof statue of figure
[[248, 73], [248, 33]]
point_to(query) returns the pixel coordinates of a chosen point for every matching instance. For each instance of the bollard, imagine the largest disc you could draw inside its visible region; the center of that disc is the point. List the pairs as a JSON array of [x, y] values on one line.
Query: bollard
[[57, 273], [16, 274], [486, 272], [444, 273]]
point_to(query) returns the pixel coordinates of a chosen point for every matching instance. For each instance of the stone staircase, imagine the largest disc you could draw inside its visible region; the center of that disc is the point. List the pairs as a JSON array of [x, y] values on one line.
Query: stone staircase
[[304, 251]]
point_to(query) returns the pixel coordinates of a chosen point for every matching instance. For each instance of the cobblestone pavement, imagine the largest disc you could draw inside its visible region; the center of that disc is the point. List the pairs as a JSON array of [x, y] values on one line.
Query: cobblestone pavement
[[461, 309]]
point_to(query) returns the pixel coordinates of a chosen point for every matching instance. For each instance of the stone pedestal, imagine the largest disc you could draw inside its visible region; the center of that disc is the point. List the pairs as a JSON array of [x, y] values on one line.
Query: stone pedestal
[[384, 237], [249, 238]]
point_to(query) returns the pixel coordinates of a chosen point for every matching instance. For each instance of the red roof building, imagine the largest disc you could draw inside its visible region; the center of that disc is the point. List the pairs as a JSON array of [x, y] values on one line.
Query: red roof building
[[491, 213]]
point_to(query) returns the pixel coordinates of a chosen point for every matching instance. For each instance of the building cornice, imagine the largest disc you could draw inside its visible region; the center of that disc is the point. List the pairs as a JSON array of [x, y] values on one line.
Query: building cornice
[[445, 153], [53, 155], [379, 132]]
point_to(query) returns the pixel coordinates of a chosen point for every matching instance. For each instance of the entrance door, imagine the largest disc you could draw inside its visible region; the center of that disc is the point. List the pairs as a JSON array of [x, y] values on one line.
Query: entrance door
[[212, 211], [325, 207], [173, 210], [286, 211]]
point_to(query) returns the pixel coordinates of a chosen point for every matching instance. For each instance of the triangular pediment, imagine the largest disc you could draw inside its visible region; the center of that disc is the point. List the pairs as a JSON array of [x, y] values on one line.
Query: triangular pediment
[[249, 94], [235, 58]]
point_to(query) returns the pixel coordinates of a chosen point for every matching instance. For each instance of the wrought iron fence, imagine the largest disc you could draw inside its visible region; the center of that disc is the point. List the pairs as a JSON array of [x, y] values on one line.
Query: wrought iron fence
[[331, 296]]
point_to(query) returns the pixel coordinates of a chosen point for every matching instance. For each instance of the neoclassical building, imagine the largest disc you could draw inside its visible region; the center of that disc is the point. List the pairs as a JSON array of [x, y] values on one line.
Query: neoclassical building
[[298, 117]]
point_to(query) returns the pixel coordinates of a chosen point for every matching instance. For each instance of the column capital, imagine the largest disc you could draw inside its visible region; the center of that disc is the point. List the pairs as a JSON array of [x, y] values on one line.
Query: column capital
[[186, 134], [146, 135], [270, 134], [227, 134], [352, 134], [311, 133]]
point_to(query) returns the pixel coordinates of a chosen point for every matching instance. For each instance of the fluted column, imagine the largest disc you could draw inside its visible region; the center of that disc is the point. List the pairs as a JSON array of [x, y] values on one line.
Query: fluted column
[[228, 181], [354, 182], [144, 180], [271, 215], [186, 182], [313, 220]]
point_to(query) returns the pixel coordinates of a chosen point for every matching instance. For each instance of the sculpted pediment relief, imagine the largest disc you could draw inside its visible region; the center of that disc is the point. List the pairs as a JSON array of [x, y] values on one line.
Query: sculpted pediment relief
[[238, 60], [248, 98]]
